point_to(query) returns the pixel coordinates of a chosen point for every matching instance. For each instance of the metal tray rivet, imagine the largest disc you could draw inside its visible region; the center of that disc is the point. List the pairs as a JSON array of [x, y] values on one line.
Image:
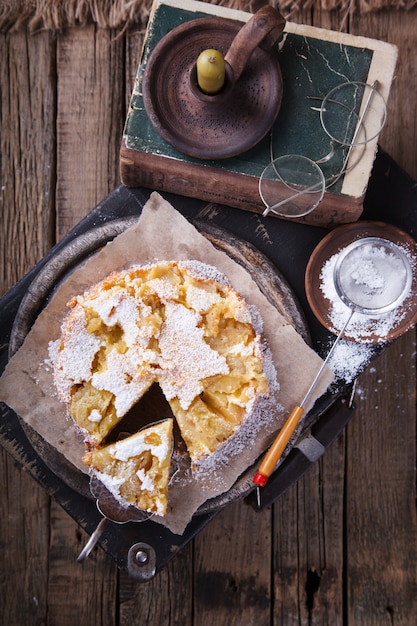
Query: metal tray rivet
[[141, 561], [141, 557]]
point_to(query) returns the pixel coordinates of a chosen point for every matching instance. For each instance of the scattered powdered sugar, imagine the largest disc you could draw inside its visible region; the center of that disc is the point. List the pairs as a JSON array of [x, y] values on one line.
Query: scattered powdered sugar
[[201, 300], [53, 353], [242, 349], [367, 274], [80, 349], [186, 358], [112, 484], [163, 289], [256, 319], [123, 378], [73, 363], [349, 359], [125, 310], [146, 481], [202, 271], [95, 416], [135, 445]]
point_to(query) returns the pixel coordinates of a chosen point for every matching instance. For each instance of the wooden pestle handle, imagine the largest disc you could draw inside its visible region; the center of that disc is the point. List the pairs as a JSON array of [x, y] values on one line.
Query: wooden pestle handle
[[265, 25], [277, 448]]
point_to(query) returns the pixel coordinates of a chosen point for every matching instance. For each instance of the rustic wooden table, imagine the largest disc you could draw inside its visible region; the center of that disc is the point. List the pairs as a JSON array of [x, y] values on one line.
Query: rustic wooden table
[[340, 547]]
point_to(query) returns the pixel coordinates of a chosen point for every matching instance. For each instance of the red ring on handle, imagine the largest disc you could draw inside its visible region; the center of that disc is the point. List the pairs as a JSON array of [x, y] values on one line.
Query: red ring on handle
[[260, 479]]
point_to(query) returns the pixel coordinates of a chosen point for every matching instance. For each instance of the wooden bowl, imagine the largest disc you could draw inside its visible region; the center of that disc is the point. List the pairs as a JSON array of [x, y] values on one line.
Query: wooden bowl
[[335, 242]]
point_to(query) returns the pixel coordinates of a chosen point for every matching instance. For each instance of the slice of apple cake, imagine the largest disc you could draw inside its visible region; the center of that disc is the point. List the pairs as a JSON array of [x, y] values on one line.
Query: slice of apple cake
[[136, 469]]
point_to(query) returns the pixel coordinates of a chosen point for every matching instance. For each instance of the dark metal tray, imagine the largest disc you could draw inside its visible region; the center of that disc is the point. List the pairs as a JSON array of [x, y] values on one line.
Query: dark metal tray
[[391, 197]]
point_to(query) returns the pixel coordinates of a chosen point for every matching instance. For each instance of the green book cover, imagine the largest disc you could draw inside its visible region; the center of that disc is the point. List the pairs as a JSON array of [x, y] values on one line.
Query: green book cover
[[313, 62]]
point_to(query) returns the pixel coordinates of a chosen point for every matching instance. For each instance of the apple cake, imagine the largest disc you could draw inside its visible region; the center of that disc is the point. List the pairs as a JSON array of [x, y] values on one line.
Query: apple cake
[[179, 324], [136, 469]]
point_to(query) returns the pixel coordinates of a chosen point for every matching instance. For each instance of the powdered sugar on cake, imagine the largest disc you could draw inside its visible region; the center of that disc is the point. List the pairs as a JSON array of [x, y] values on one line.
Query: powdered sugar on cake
[[126, 311], [201, 270], [124, 379], [75, 362], [186, 359], [134, 446], [201, 300]]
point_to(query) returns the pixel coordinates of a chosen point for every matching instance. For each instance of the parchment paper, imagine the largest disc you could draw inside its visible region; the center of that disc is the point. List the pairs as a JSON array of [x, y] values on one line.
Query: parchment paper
[[161, 233]]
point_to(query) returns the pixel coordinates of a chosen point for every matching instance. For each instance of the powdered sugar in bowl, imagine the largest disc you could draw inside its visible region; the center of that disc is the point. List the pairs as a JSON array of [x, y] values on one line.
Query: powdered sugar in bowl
[[369, 268]]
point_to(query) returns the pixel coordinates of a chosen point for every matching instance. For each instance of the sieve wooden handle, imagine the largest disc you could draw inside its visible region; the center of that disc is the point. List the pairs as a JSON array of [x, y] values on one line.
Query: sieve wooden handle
[[277, 448]]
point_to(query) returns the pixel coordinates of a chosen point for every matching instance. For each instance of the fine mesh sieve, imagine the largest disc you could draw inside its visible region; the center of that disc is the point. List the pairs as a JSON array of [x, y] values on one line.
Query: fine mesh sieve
[[371, 276]]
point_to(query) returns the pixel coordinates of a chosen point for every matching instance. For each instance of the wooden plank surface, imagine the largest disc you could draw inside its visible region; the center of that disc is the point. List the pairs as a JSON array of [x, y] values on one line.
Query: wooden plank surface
[[232, 568], [381, 511], [90, 113], [25, 235], [337, 548]]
